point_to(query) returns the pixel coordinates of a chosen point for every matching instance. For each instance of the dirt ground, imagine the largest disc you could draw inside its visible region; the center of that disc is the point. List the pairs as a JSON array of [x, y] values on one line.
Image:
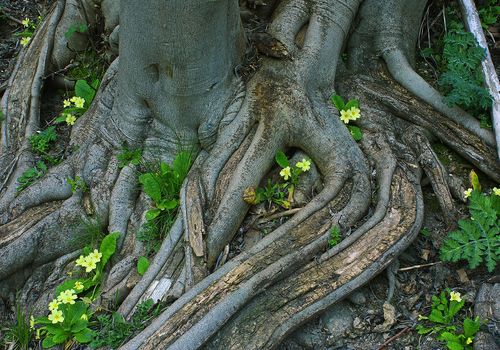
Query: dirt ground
[[359, 322]]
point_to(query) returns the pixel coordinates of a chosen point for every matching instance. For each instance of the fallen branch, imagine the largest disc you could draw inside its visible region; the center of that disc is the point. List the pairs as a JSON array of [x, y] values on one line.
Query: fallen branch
[[473, 24], [414, 267], [394, 337]]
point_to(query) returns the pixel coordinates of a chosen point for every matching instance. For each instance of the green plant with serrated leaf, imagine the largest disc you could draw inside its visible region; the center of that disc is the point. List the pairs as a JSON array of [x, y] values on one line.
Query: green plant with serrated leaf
[[42, 140], [70, 312], [349, 111], [489, 12], [478, 238], [30, 175], [162, 183], [77, 184], [129, 156], [280, 193], [444, 322], [112, 330], [335, 237]]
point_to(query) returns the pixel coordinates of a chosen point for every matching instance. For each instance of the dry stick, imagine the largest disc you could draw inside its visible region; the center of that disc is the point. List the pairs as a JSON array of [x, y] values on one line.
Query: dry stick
[[391, 339], [11, 18], [473, 24], [418, 266]]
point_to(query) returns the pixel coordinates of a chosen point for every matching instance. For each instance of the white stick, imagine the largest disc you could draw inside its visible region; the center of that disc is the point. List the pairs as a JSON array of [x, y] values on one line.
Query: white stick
[[473, 24]]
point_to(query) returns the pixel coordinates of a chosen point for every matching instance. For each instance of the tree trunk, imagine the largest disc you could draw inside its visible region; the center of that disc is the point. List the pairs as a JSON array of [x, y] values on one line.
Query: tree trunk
[[176, 86]]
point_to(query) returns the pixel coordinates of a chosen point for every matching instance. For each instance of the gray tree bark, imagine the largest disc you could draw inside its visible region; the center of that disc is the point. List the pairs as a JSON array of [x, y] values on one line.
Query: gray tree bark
[[175, 86]]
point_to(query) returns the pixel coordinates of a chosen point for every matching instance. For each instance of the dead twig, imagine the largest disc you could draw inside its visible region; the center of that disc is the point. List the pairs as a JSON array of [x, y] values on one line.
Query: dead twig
[[278, 215], [391, 339], [414, 267], [10, 17]]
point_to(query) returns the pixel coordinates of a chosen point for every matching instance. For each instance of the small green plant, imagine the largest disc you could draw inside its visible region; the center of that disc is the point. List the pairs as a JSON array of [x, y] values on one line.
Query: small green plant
[[113, 330], [162, 183], [488, 13], [77, 105], [31, 175], [70, 311], [142, 265], [41, 141], [28, 31], [77, 184], [349, 111], [334, 236], [129, 156], [20, 333], [2, 116], [478, 238], [442, 321], [425, 232], [81, 28], [280, 194]]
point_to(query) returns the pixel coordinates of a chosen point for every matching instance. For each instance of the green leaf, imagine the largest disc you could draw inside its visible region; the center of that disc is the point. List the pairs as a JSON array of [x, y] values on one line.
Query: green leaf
[[151, 186], [85, 91], [474, 180], [79, 325], [338, 102], [351, 103], [152, 214], [85, 336], [69, 284], [471, 327], [167, 204], [108, 247], [282, 159], [48, 343], [142, 265], [356, 133]]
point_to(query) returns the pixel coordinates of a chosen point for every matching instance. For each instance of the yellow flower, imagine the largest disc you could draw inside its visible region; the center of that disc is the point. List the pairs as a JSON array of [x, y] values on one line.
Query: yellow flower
[[81, 261], [345, 116], [53, 305], [496, 191], [70, 119], [32, 322], [285, 173], [84, 317], [355, 113], [67, 297], [305, 165], [91, 265], [468, 341], [66, 103], [420, 318], [25, 40], [78, 285], [467, 193], [56, 316], [455, 296], [95, 256], [26, 22], [78, 101]]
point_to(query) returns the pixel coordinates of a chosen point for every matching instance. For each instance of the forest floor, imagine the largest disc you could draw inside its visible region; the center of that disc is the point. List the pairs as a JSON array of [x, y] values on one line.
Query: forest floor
[[359, 322]]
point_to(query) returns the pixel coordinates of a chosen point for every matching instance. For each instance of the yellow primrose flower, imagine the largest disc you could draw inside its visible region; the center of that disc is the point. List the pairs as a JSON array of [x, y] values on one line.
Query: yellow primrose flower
[[285, 173], [467, 193], [90, 265], [345, 116], [420, 318], [25, 40], [81, 261], [56, 316], [67, 297], [26, 22], [78, 101], [496, 191], [305, 165], [70, 119], [455, 296], [468, 341], [95, 256], [53, 305], [66, 103], [32, 322], [355, 113], [78, 285], [84, 317]]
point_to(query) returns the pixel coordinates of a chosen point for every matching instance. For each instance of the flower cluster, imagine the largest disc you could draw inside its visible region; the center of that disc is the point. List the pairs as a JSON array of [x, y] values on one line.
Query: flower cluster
[[302, 166], [73, 107], [496, 191], [347, 115], [27, 33], [467, 193], [90, 261], [455, 296]]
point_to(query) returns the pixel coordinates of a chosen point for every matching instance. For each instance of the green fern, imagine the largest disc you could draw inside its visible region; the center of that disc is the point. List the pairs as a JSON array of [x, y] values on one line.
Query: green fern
[[478, 238]]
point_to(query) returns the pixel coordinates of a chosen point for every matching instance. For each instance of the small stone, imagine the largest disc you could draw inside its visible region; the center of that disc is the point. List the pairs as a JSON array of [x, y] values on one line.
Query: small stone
[[357, 323], [337, 320], [357, 298]]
